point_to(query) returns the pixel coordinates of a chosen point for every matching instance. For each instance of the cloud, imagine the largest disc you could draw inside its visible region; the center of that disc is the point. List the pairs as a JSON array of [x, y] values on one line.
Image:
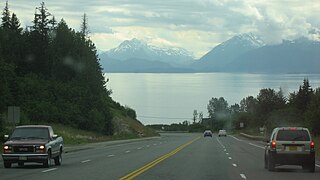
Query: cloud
[[196, 25]]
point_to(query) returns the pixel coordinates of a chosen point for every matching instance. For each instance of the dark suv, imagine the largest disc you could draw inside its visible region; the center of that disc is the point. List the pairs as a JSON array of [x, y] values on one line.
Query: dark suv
[[290, 146]]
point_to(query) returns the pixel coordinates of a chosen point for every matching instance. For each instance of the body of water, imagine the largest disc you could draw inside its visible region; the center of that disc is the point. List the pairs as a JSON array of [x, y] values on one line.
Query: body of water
[[172, 98]]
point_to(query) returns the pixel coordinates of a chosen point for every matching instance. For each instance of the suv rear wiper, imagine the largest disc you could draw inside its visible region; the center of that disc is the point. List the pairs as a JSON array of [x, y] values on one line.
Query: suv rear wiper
[[298, 137]]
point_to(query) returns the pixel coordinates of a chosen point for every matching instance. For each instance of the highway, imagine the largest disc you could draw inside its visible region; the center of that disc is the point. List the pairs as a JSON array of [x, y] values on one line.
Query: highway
[[172, 156]]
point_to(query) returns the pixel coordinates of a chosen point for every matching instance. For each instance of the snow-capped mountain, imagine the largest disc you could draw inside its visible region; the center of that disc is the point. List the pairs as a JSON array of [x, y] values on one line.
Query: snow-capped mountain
[[291, 56], [241, 53], [136, 49], [227, 51], [248, 39]]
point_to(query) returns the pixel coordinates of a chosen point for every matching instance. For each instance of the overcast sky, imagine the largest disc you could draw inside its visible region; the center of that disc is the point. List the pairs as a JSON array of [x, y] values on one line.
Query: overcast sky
[[196, 25]]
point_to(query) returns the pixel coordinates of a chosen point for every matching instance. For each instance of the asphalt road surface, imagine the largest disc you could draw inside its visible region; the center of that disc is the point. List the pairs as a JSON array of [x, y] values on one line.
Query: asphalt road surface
[[172, 156]]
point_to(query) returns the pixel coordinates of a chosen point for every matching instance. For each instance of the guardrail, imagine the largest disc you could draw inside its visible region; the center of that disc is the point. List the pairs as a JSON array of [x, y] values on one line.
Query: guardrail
[[252, 137]]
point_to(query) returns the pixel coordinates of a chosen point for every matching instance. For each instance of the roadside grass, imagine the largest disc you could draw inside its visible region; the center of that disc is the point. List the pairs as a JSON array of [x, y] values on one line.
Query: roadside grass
[[73, 136]]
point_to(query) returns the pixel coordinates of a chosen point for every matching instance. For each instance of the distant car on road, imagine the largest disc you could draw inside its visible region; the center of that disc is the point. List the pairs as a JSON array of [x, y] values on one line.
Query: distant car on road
[[32, 143], [207, 133], [222, 132], [290, 146]]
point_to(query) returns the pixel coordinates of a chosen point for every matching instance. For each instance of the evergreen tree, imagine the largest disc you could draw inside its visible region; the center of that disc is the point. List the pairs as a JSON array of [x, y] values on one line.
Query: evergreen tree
[[15, 24], [302, 98], [6, 21], [41, 20], [84, 28]]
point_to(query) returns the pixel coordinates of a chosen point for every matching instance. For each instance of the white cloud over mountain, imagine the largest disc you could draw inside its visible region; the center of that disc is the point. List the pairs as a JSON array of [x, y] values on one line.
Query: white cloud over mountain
[[196, 25]]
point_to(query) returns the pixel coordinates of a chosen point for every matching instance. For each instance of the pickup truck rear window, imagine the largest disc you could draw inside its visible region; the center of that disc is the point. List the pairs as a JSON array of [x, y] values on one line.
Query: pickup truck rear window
[[293, 135]]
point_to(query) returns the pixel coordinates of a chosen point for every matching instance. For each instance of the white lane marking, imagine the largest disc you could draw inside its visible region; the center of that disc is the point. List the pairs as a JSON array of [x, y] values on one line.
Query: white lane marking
[[261, 147], [128, 151], [235, 138], [225, 150], [221, 143], [160, 142], [148, 145], [111, 155], [85, 161], [48, 170], [154, 144], [317, 165], [230, 158], [139, 148], [243, 176], [227, 153], [235, 165]]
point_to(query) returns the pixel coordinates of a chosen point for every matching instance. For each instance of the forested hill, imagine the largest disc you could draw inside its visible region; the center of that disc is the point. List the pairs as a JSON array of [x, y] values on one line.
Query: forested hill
[[53, 74]]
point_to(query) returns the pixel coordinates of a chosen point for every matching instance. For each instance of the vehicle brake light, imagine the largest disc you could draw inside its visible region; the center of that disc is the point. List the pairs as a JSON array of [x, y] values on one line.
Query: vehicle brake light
[[293, 128], [273, 145], [311, 145]]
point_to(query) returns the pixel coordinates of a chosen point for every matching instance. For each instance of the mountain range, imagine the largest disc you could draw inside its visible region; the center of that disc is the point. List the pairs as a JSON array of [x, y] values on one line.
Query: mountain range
[[242, 53]]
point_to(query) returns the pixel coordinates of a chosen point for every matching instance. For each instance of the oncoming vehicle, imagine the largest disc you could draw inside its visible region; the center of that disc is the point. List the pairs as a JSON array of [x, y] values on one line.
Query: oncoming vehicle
[[207, 133], [33, 143], [222, 132], [290, 146]]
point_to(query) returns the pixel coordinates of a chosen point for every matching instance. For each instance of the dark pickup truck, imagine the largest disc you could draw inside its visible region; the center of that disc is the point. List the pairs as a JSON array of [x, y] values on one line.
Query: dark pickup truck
[[32, 143]]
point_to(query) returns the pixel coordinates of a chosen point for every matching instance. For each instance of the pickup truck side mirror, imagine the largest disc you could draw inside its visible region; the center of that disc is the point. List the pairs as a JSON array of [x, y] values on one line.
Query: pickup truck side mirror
[[54, 136], [6, 136]]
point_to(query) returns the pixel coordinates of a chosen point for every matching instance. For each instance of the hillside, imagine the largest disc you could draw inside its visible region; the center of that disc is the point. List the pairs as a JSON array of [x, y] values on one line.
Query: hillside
[[57, 79]]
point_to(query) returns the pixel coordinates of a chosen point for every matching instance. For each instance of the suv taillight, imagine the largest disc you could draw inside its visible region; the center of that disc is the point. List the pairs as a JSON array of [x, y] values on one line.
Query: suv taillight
[[312, 145], [273, 145]]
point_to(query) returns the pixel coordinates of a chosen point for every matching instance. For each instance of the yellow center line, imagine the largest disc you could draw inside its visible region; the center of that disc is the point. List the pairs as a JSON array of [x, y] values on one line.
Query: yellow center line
[[155, 162]]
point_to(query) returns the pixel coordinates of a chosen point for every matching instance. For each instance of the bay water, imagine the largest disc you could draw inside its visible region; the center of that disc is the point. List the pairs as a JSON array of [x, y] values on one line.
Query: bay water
[[165, 98]]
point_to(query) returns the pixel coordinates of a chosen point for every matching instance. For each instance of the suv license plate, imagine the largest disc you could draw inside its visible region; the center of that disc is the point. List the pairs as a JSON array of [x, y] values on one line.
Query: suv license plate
[[23, 158], [293, 148]]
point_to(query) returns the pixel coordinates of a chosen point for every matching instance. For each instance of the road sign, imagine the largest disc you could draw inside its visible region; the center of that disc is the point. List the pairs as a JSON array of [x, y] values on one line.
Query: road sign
[[241, 125], [14, 114]]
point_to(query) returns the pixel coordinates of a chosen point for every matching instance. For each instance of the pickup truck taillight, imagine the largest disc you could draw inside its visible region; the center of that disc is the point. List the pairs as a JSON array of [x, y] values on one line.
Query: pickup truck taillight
[[311, 145], [273, 145]]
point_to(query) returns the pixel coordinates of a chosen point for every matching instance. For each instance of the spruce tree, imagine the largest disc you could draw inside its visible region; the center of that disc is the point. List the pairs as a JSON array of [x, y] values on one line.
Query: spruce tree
[[15, 24], [6, 22]]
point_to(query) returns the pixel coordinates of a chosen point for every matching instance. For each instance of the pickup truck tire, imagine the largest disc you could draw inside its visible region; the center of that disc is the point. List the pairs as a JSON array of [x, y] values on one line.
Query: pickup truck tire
[[58, 159], [47, 163], [7, 164], [20, 164]]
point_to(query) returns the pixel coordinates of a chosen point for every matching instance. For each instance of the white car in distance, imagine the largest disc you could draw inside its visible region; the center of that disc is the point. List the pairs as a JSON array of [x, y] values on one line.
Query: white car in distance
[[222, 132]]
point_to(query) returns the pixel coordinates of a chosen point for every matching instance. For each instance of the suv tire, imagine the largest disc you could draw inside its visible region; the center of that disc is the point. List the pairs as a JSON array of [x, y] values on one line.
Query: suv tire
[[271, 163], [311, 166], [265, 161]]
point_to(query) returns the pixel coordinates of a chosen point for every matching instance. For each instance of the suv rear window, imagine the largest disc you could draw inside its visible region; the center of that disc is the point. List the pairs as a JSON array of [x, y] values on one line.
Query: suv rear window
[[293, 135]]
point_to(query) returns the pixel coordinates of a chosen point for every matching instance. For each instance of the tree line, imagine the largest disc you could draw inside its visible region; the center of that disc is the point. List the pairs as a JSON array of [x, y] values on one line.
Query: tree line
[[269, 109], [52, 73]]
